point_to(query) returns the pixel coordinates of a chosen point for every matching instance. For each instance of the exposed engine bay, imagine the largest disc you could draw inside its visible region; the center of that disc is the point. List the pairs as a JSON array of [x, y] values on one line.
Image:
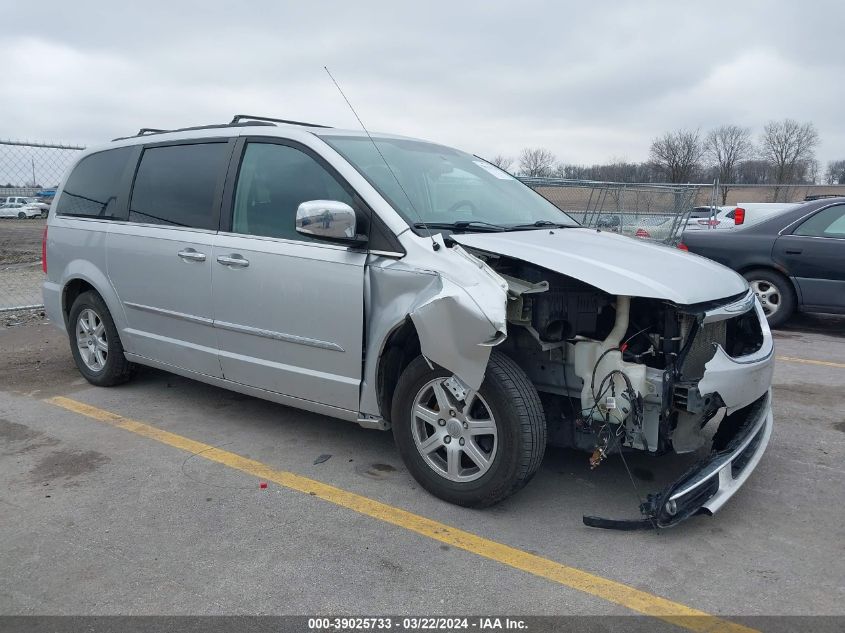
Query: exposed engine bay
[[618, 373]]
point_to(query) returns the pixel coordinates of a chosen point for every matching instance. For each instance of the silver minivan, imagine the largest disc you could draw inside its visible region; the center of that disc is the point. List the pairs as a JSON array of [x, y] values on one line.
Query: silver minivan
[[401, 284]]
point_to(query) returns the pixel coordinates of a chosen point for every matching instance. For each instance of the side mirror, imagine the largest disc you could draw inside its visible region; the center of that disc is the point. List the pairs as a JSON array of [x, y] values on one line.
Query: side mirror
[[328, 220]]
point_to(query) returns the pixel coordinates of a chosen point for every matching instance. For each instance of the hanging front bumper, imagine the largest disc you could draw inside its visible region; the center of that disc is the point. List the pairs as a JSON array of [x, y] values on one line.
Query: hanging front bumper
[[705, 488]]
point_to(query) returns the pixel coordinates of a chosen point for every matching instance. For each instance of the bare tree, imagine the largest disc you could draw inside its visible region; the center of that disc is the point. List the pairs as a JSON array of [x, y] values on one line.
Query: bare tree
[[677, 154], [788, 147], [618, 170], [502, 162], [835, 174], [536, 162], [727, 146], [753, 172]]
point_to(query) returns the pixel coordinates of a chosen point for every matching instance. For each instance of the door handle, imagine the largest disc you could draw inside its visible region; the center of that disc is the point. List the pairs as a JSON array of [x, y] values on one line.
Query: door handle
[[236, 261], [788, 252], [190, 255]]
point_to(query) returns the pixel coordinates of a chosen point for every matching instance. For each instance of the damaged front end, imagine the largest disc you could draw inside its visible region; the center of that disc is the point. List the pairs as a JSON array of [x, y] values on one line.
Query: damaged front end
[[619, 373], [735, 345], [616, 372]]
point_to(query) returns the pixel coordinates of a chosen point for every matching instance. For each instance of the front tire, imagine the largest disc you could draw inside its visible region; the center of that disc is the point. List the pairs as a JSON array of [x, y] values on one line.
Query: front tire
[[473, 453], [95, 344], [775, 293], [21, 215]]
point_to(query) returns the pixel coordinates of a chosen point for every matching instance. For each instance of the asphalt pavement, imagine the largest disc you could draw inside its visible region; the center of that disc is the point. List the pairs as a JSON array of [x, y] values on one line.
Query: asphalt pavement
[[101, 515]]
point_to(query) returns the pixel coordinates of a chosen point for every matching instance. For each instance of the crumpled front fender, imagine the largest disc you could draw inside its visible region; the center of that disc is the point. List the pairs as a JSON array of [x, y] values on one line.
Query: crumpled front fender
[[458, 310]]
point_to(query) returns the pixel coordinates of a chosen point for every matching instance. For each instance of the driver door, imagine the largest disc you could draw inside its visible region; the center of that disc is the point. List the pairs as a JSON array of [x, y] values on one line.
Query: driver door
[[288, 310]]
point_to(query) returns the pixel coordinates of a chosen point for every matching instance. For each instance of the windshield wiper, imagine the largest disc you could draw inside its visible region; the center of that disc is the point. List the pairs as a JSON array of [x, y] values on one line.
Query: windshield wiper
[[463, 225], [542, 224]]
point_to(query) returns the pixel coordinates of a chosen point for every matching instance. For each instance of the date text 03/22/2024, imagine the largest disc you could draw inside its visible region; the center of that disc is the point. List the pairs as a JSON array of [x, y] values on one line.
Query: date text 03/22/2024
[[416, 624]]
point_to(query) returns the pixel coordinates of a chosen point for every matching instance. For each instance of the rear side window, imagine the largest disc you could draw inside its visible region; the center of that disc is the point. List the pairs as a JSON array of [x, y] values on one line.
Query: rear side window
[[828, 222], [92, 188], [177, 185]]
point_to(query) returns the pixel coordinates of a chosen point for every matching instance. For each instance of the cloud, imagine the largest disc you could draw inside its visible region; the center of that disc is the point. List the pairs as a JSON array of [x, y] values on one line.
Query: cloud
[[588, 81]]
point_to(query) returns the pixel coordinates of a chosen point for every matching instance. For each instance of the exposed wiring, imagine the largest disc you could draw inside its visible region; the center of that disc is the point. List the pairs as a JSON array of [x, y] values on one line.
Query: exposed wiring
[[603, 438]]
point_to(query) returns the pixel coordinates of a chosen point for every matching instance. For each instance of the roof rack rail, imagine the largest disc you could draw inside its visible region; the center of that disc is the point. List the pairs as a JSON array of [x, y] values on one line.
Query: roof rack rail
[[238, 117], [148, 131], [239, 120]]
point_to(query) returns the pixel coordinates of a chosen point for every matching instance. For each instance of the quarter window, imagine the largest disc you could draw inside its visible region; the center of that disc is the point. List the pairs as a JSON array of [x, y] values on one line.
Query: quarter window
[[273, 181], [92, 188], [828, 222], [176, 185]]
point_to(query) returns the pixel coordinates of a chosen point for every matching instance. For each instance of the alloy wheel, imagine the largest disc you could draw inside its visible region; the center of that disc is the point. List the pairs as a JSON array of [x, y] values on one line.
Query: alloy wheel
[[769, 296], [457, 440], [91, 340]]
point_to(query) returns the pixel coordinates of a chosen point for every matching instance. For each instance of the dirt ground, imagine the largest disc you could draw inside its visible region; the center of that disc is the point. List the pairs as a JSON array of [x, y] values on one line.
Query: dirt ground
[[20, 240]]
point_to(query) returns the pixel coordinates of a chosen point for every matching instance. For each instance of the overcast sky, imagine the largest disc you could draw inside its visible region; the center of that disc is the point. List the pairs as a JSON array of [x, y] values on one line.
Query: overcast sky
[[590, 81]]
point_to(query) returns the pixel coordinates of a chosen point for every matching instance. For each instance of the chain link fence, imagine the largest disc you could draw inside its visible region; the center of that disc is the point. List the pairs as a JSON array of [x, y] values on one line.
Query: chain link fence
[[29, 169], [739, 194], [660, 211], [648, 211], [29, 175]]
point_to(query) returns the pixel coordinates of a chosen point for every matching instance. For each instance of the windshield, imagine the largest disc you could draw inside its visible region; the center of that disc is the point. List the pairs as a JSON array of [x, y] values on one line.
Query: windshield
[[445, 186]]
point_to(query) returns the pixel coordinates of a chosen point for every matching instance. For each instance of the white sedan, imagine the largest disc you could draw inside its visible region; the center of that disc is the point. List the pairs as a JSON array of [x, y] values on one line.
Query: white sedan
[[20, 210]]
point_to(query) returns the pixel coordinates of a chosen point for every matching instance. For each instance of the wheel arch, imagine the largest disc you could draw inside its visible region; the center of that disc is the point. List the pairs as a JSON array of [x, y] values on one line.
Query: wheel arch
[[401, 346], [81, 276]]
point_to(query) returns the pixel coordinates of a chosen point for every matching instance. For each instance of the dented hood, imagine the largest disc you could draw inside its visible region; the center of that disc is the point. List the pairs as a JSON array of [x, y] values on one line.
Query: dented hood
[[614, 263]]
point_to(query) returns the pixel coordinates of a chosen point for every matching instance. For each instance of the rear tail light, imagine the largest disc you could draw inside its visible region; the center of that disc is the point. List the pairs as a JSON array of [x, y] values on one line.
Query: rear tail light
[[642, 233], [739, 215], [683, 247], [44, 250]]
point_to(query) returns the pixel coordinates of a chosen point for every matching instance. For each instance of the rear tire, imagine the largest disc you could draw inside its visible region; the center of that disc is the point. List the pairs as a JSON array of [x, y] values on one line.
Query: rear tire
[[776, 294], [442, 442], [21, 215], [95, 344]]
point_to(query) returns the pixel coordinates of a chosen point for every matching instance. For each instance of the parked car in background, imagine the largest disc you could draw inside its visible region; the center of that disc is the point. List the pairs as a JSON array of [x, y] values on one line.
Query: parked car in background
[[703, 217], [43, 206], [22, 207], [793, 261], [729, 217]]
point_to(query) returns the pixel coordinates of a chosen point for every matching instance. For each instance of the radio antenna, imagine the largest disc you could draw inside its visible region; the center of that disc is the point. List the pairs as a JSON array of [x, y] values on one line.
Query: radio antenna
[[434, 244]]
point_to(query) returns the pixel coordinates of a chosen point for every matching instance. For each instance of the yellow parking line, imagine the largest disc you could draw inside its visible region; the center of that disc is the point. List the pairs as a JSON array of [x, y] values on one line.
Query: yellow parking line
[[606, 589], [808, 361]]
